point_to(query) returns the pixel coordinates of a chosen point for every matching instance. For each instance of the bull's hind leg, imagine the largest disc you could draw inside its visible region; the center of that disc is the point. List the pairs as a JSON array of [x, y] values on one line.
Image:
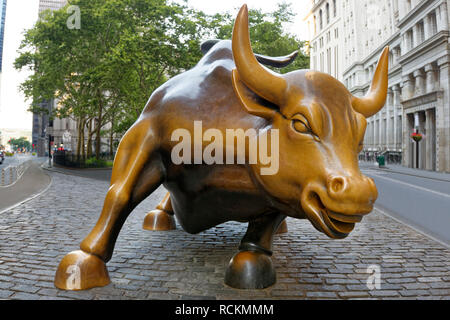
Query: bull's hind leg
[[161, 219], [136, 173], [251, 267]]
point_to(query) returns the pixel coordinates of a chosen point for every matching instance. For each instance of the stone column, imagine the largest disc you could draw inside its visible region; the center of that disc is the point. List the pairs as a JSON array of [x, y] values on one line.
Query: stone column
[[404, 43], [389, 106], [427, 27], [416, 35], [408, 88], [442, 17], [420, 82], [397, 54], [370, 129], [443, 117], [423, 144], [407, 145], [396, 104], [430, 78], [430, 140], [380, 131]]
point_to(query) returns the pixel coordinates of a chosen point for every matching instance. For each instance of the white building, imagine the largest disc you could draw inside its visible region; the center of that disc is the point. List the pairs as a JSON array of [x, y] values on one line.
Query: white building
[[417, 32], [51, 4], [324, 25]]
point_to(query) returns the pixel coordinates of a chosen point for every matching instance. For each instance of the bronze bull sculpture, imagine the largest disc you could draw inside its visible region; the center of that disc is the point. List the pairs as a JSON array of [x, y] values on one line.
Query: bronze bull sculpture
[[320, 128]]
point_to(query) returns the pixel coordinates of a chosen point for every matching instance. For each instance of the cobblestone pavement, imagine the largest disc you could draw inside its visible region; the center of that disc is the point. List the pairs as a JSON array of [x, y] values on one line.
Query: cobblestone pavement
[[175, 265]]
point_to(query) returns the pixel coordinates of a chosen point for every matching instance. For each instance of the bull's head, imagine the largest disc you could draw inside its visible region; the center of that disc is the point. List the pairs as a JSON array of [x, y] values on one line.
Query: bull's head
[[321, 128]]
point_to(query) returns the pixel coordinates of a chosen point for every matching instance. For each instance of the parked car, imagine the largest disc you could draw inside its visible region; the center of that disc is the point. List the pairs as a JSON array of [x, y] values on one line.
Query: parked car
[[2, 156]]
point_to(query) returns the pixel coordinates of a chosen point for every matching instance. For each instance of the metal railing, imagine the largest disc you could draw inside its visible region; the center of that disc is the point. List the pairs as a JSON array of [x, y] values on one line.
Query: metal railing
[[11, 174]]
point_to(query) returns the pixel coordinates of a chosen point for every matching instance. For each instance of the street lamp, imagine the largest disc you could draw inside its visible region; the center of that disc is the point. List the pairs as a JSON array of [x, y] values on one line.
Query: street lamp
[[50, 140]]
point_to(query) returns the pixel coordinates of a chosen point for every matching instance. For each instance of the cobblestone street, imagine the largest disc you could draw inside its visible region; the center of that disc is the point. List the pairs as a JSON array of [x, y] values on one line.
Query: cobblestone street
[[175, 265]]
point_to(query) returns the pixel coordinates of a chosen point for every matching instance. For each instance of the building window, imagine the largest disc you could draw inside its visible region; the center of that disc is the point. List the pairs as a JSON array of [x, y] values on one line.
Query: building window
[[327, 12], [334, 9], [315, 25], [409, 39], [433, 23], [421, 32], [320, 20]]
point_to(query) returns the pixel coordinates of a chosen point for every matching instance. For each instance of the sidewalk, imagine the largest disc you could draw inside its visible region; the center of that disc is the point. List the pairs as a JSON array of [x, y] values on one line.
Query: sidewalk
[[396, 168], [103, 174]]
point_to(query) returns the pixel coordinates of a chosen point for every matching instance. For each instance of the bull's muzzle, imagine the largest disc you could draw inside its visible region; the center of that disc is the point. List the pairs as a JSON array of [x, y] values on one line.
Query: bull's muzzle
[[335, 207]]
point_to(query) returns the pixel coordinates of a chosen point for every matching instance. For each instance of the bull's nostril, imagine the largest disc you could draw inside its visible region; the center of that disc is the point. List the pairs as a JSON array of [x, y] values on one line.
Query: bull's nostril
[[337, 184]]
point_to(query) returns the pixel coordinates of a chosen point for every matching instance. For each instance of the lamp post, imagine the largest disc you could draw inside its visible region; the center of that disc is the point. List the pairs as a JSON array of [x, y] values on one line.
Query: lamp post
[[416, 137], [50, 140]]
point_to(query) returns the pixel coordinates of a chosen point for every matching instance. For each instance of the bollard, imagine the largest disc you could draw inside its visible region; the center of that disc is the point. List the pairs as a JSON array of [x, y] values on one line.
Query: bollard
[[10, 175], [3, 177]]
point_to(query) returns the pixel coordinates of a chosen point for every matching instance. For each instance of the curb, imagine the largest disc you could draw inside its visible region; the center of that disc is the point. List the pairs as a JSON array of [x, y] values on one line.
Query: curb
[[422, 232], [411, 174]]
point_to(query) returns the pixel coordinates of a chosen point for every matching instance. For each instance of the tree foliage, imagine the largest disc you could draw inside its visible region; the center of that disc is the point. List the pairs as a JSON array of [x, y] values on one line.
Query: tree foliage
[[103, 73], [19, 144], [267, 34]]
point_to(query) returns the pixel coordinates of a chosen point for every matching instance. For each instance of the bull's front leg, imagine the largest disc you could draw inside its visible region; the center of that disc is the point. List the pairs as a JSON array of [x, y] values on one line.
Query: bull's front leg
[[251, 267], [161, 219], [136, 174]]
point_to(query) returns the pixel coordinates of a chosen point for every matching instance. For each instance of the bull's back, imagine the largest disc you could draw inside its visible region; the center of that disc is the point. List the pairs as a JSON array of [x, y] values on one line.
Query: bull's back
[[204, 196], [205, 94]]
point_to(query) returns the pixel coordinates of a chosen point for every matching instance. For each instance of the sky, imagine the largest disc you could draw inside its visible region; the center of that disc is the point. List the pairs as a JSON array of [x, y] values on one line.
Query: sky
[[299, 7], [22, 14]]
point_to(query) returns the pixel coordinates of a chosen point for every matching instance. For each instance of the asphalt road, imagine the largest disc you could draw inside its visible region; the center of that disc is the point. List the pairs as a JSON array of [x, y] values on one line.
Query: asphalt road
[[417, 198]]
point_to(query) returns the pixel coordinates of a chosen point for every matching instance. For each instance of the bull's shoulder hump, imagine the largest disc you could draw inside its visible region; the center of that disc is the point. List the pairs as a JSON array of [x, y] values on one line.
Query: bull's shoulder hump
[[221, 50], [216, 65], [198, 83]]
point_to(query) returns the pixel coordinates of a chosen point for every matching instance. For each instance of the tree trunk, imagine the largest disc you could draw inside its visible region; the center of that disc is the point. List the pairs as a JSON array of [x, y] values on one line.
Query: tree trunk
[[89, 141], [80, 124], [99, 126], [83, 148], [111, 137]]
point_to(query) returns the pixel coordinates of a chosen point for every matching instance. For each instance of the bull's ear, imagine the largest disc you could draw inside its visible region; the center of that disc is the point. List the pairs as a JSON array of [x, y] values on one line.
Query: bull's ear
[[249, 100]]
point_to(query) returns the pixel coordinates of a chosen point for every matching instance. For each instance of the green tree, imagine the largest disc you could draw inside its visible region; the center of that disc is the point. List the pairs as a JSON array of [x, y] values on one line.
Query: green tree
[[106, 70], [19, 144], [267, 34]]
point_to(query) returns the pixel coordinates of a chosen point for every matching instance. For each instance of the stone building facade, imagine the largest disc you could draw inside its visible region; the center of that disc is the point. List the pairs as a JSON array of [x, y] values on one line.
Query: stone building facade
[[417, 32]]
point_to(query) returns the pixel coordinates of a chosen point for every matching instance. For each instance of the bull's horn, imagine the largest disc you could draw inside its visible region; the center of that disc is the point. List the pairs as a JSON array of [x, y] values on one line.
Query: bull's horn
[[264, 82], [376, 97]]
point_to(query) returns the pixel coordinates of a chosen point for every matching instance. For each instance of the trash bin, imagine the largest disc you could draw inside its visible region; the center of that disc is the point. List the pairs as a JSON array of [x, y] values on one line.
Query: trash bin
[[381, 161]]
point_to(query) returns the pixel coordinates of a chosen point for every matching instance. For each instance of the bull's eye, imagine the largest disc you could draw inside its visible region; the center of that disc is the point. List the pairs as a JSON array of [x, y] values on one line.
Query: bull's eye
[[301, 125]]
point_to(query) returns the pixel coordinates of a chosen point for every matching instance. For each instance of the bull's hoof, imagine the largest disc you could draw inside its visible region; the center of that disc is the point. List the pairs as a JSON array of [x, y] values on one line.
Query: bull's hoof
[[250, 270], [283, 228], [158, 220], [79, 270]]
